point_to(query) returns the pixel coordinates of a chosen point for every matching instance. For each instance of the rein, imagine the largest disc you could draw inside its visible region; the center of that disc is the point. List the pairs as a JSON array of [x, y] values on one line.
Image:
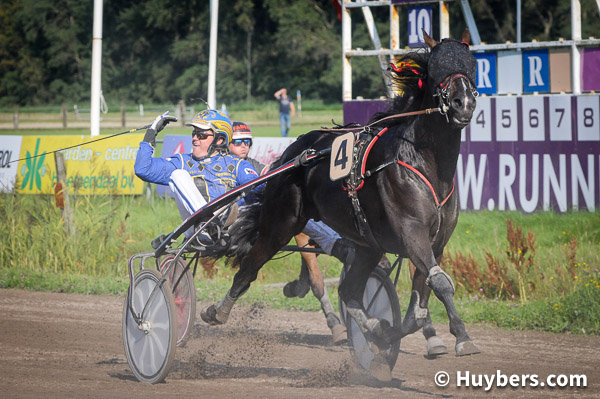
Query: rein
[[366, 127]]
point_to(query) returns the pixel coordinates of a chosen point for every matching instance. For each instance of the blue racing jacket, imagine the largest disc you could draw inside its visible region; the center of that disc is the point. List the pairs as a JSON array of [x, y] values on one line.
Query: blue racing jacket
[[212, 175]]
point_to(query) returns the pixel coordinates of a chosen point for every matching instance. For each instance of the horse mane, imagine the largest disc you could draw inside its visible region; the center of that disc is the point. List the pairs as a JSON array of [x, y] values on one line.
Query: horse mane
[[408, 77]]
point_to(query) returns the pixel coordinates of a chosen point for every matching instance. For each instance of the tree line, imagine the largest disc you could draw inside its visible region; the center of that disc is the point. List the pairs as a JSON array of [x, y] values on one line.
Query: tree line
[[156, 51]]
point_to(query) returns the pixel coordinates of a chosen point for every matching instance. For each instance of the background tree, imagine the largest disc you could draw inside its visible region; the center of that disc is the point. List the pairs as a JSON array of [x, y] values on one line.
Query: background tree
[[157, 50]]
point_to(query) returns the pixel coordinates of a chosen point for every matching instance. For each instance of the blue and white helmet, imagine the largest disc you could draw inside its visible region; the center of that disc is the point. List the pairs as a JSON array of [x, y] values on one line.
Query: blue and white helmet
[[215, 121]]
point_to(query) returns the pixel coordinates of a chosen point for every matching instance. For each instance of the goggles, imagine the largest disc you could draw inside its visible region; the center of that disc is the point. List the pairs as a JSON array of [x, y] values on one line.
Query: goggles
[[202, 134], [239, 142]]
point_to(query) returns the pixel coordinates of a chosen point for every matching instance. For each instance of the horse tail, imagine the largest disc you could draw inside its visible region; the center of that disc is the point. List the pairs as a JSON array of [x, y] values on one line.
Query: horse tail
[[243, 233]]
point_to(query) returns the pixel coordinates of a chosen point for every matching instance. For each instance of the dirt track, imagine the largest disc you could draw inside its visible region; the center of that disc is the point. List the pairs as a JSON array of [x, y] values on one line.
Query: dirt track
[[59, 345]]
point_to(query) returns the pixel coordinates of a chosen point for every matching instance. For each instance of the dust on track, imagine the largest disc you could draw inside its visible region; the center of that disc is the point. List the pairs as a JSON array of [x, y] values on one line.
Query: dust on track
[[66, 345]]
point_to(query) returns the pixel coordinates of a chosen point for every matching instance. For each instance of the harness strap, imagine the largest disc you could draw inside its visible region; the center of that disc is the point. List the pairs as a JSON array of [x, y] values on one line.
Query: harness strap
[[366, 155], [368, 150], [422, 176]]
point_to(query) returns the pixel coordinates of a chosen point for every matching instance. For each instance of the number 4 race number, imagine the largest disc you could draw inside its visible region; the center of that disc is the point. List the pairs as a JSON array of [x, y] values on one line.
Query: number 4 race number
[[341, 156]]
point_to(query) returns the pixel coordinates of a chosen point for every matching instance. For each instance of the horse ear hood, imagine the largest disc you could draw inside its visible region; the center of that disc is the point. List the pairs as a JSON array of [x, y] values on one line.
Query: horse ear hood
[[448, 58]]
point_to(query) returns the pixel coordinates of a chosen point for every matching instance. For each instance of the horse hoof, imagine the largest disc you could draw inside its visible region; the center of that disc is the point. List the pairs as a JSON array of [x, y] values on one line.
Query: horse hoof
[[209, 315], [295, 289], [380, 368], [435, 346], [466, 348], [339, 334]]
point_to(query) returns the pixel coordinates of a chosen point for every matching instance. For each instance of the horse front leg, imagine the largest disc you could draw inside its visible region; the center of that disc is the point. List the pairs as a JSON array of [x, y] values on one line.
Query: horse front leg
[[443, 287], [421, 254]]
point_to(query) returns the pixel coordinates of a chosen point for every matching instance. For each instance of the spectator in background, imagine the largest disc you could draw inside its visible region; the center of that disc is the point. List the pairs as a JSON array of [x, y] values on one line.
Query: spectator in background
[[285, 106]]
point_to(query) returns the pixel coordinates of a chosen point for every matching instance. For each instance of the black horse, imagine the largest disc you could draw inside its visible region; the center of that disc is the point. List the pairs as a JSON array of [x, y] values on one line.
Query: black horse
[[407, 200]]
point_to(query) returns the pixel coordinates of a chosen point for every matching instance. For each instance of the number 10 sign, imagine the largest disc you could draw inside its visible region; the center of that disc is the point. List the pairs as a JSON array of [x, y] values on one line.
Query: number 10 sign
[[419, 19]]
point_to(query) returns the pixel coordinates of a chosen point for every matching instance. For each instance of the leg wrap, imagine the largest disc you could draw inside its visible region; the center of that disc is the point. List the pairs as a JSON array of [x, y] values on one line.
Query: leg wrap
[[332, 320], [439, 281], [224, 307], [357, 314], [420, 313], [415, 315]]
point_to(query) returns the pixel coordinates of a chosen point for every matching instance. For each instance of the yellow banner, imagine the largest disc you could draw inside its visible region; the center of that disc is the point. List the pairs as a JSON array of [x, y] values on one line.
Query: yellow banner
[[101, 167]]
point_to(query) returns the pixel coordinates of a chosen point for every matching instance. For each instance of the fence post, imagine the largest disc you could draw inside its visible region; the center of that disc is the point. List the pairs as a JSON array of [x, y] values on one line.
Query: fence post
[[76, 112], [63, 111], [16, 118], [123, 120], [61, 192], [141, 109], [182, 111]]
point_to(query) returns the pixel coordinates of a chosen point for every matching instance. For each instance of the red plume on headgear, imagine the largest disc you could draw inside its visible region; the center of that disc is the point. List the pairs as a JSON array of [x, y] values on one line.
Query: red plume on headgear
[[405, 65]]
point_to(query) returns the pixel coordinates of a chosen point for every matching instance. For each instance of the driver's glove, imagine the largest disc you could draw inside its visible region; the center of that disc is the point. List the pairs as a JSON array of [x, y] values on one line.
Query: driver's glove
[[159, 124]]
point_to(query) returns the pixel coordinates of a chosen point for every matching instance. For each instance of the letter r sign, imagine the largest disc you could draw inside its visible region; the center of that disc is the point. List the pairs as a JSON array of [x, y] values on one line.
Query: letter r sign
[[486, 73], [536, 71]]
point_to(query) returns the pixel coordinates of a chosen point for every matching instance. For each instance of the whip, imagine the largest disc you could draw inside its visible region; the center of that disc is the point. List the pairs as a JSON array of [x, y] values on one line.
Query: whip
[[88, 142]]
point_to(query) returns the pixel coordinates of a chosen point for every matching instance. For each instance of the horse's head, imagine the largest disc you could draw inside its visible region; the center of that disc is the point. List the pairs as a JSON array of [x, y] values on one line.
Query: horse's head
[[451, 76]]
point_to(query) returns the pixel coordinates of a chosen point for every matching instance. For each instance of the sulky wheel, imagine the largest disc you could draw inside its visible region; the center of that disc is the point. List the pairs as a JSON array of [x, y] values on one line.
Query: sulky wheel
[[381, 303], [150, 346], [184, 294]]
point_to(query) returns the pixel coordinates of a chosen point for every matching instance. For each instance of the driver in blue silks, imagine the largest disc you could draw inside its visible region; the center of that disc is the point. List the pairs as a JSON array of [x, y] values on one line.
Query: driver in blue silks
[[205, 174]]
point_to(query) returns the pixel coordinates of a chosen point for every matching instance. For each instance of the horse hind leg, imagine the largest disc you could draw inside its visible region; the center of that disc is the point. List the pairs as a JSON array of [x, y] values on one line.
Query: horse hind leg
[[260, 253], [311, 276], [219, 313], [300, 287], [416, 313], [435, 345], [377, 332], [338, 331], [374, 331]]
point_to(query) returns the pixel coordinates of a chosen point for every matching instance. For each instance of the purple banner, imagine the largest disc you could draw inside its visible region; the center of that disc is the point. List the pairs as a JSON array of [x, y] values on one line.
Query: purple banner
[[524, 153], [590, 69], [360, 111]]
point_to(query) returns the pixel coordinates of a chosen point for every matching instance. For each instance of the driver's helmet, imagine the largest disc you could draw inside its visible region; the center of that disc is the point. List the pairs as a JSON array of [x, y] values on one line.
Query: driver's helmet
[[218, 122]]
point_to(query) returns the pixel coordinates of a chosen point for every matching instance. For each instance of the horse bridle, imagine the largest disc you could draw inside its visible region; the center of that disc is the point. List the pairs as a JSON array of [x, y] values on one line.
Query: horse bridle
[[443, 92]]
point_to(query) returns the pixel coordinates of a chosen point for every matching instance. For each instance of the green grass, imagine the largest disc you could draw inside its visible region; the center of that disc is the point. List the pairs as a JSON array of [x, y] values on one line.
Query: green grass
[[37, 253]]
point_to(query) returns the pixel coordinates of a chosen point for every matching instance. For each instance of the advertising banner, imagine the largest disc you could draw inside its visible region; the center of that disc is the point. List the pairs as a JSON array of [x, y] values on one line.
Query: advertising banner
[[100, 167], [10, 148]]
